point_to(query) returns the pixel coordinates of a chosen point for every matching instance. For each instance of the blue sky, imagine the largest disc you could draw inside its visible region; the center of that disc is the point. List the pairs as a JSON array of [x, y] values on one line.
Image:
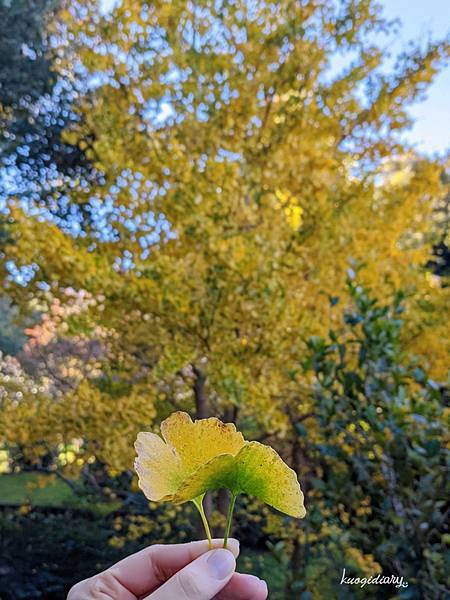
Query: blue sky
[[431, 131]]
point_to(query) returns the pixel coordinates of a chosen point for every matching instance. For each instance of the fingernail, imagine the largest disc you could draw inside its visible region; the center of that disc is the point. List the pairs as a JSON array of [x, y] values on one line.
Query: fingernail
[[221, 563]]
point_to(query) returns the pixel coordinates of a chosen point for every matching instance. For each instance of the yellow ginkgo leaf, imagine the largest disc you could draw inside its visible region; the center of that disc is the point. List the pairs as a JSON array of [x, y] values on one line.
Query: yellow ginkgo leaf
[[256, 470], [163, 464], [196, 443], [194, 457], [159, 469]]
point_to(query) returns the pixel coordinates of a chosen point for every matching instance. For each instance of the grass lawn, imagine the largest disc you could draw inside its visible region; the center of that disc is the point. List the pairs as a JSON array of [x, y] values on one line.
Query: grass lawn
[[39, 490], [27, 488]]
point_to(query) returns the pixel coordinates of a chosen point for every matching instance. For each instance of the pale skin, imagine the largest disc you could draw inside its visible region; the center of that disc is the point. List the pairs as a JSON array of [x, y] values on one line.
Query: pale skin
[[174, 572]]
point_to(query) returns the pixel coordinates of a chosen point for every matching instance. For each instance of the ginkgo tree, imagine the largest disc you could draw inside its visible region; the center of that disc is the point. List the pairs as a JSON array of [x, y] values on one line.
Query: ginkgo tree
[[239, 175]]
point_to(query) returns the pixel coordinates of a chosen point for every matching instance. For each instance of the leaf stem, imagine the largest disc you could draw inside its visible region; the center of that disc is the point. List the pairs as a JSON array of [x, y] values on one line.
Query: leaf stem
[[229, 519], [198, 502]]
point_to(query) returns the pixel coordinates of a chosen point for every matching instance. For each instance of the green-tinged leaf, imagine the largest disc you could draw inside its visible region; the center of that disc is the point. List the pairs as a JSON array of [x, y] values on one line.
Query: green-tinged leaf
[[256, 470]]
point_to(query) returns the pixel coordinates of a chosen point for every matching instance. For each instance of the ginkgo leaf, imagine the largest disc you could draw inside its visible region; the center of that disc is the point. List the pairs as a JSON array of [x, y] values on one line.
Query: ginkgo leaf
[[194, 457], [196, 443], [159, 469], [256, 470], [163, 464]]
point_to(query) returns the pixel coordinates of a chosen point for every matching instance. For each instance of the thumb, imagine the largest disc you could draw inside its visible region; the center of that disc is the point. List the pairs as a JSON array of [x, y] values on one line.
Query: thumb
[[202, 579]]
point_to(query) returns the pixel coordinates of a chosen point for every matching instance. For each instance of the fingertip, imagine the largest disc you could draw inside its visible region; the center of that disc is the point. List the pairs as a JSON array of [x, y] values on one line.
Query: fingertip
[[243, 585], [256, 588], [263, 590]]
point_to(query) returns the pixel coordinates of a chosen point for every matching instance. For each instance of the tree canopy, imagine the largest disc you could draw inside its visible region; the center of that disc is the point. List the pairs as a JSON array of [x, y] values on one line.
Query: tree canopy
[[240, 176]]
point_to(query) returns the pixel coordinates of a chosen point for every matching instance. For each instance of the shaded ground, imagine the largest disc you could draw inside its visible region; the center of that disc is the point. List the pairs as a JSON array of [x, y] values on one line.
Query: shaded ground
[[54, 540]]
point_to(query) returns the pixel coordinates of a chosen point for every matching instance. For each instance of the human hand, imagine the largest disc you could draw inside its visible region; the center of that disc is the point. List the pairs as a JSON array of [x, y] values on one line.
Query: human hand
[[174, 572]]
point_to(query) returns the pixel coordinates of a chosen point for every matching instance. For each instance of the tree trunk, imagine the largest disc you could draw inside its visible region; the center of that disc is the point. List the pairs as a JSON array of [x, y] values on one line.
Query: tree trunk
[[230, 413], [201, 412], [201, 404], [297, 558]]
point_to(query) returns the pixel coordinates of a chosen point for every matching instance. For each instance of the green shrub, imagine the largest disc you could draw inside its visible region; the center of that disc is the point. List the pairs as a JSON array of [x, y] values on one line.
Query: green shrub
[[376, 460]]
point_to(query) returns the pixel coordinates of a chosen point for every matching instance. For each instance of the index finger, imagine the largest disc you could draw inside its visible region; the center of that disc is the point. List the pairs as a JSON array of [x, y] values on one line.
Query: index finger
[[144, 571]]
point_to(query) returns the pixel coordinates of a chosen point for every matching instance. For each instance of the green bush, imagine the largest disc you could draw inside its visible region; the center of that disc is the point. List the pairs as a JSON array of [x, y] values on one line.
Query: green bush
[[376, 461]]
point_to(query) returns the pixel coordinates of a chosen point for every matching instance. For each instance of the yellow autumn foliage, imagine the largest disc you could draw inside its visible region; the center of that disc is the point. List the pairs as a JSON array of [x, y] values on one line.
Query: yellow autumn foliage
[[238, 186]]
